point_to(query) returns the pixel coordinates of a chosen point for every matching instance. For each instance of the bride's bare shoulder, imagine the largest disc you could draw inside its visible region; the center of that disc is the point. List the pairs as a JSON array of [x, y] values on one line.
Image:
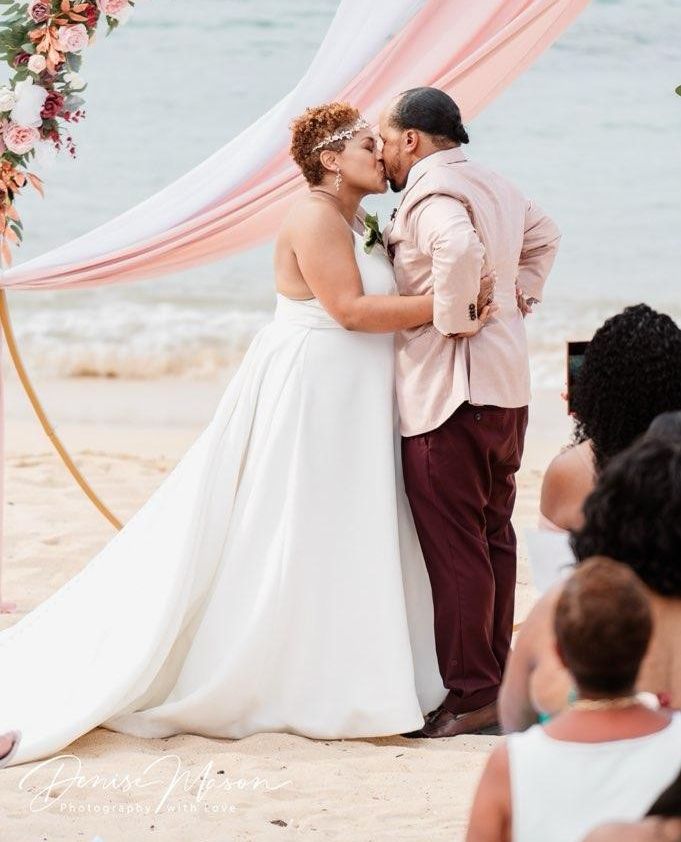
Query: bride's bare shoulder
[[313, 215]]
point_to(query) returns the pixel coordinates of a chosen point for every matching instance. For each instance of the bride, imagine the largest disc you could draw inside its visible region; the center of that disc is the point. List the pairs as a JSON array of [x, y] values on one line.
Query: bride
[[274, 581]]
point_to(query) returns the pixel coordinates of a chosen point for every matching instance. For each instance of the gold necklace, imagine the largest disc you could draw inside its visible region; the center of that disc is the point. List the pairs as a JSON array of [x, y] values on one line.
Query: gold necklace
[[605, 704]]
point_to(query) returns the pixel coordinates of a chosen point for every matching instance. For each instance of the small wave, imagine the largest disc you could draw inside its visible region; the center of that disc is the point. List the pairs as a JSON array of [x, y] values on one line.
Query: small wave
[[134, 341], [149, 340]]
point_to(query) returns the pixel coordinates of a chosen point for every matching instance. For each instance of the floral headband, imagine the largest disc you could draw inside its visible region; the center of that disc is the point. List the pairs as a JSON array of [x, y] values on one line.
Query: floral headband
[[343, 134]]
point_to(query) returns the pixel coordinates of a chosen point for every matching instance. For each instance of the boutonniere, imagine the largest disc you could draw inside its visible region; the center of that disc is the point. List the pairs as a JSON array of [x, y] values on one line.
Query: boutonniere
[[372, 232]]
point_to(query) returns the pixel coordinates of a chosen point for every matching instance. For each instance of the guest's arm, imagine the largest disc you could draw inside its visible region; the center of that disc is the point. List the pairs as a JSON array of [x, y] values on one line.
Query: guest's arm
[[441, 228], [540, 245], [534, 648], [490, 819], [516, 712]]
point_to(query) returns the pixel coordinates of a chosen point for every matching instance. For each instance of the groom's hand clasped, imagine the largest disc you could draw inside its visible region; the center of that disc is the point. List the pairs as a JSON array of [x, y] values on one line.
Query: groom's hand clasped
[[486, 307], [524, 304]]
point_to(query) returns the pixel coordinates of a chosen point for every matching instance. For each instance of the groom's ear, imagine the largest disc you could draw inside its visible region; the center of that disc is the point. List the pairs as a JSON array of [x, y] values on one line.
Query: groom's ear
[[411, 140]]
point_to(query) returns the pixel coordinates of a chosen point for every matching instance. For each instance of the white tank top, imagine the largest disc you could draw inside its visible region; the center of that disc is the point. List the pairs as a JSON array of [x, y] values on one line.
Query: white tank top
[[561, 790]]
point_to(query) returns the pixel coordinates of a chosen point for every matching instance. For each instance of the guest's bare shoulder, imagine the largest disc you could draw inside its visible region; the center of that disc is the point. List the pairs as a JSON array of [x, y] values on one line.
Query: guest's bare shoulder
[[567, 482]]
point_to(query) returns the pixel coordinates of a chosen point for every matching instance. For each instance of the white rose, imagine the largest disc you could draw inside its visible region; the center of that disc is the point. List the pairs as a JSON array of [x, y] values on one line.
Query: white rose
[[29, 104], [75, 80], [45, 155], [123, 16], [37, 63], [7, 99]]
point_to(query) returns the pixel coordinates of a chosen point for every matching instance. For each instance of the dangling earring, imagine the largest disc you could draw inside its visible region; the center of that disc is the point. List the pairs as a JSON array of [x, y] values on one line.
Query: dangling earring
[[339, 179]]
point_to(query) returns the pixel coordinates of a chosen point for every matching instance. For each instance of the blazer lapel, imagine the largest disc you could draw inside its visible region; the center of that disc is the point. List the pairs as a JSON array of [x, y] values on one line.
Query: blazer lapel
[[445, 156]]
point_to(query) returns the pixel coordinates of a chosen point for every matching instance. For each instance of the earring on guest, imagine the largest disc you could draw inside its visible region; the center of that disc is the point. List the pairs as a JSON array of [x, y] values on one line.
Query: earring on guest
[[339, 179]]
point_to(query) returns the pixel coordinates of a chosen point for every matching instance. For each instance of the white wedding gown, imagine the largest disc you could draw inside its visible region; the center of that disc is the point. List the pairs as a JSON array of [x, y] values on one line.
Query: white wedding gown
[[273, 582]]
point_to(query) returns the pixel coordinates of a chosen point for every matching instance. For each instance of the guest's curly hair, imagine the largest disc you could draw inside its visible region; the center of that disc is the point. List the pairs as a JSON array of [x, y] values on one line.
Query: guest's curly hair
[[633, 514], [631, 373], [313, 125]]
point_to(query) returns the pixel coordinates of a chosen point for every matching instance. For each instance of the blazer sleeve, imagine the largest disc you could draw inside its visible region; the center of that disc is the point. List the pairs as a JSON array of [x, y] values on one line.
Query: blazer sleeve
[[441, 228], [540, 245]]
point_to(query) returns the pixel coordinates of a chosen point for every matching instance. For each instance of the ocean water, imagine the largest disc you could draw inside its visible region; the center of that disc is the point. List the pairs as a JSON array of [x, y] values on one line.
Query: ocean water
[[592, 131]]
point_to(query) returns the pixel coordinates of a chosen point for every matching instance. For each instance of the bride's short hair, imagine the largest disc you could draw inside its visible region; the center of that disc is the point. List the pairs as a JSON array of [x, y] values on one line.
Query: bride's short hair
[[313, 126]]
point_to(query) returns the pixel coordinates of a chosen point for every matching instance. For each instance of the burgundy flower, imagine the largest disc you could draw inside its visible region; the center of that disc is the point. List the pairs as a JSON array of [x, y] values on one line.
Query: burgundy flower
[[21, 58], [39, 10], [52, 106], [92, 15]]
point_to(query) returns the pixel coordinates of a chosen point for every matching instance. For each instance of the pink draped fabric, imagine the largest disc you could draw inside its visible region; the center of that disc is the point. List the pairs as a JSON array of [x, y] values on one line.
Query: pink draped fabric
[[473, 50]]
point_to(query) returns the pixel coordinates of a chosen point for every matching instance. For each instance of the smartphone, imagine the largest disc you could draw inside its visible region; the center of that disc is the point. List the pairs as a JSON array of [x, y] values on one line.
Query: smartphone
[[575, 358]]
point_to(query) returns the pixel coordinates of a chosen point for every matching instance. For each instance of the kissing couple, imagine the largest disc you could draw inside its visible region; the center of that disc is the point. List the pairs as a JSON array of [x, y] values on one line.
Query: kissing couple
[[333, 556]]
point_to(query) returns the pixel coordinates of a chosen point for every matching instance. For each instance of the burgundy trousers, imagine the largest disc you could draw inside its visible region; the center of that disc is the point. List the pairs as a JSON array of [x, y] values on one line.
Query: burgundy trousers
[[460, 481]]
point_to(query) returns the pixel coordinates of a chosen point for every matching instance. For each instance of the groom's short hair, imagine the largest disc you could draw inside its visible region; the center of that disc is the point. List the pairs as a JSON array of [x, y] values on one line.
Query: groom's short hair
[[431, 111]]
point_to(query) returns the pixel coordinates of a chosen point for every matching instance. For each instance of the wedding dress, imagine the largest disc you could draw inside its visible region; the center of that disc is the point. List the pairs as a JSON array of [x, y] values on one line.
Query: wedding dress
[[273, 582]]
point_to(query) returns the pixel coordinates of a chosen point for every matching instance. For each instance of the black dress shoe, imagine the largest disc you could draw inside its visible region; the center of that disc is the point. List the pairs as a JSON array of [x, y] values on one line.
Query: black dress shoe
[[427, 718], [448, 724]]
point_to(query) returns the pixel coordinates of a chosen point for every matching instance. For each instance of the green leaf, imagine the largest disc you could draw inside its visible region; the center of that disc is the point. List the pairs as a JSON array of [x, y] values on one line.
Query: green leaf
[[73, 102], [74, 61], [678, 90]]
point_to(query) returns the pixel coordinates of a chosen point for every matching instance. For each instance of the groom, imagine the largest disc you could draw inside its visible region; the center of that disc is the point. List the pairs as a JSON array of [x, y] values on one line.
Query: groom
[[463, 387]]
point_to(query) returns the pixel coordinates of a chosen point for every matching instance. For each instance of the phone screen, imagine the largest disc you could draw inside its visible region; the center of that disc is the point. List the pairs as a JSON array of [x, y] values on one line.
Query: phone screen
[[575, 358]]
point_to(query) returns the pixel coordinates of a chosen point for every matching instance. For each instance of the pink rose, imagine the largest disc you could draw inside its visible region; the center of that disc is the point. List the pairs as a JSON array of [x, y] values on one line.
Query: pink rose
[[20, 139], [38, 10], [72, 39], [113, 8]]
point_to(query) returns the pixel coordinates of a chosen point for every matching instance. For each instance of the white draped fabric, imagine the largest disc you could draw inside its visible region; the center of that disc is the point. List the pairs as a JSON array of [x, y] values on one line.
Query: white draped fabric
[[357, 33], [235, 198]]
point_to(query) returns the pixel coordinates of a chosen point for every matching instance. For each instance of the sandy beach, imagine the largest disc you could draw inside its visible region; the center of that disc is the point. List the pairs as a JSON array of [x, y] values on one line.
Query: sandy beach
[[126, 436]]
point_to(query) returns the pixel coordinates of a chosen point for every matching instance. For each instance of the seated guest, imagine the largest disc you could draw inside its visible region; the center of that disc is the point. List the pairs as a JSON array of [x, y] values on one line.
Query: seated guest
[[631, 373], [608, 755], [634, 516], [663, 822]]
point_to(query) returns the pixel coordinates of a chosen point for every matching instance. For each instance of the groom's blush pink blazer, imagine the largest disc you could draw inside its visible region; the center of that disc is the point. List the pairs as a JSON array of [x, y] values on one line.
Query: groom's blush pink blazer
[[457, 221]]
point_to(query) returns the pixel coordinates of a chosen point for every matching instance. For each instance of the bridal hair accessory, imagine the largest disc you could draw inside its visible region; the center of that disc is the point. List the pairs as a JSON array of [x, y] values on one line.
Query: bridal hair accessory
[[343, 134]]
